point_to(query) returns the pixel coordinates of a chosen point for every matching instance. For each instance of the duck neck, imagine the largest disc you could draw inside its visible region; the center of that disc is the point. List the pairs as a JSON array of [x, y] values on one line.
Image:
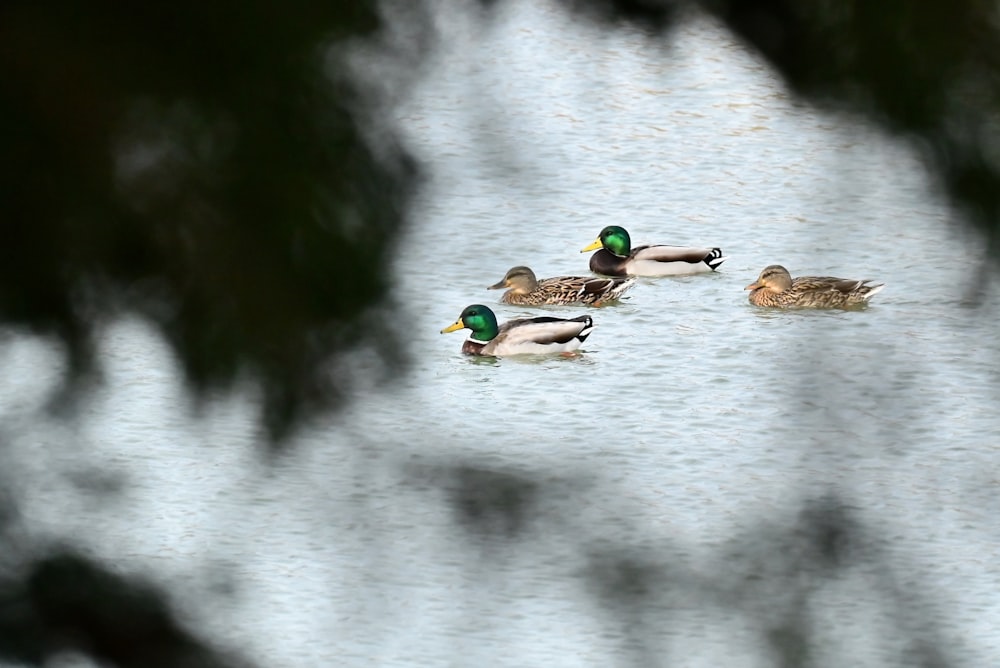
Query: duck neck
[[473, 347], [603, 262]]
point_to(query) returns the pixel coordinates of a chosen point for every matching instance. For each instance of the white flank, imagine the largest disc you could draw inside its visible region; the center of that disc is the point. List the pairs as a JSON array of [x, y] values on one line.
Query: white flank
[[532, 348], [656, 268], [523, 339]]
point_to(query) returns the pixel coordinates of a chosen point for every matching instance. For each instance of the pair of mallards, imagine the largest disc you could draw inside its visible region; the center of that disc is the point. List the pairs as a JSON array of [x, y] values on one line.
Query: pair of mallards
[[774, 287], [616, 258]]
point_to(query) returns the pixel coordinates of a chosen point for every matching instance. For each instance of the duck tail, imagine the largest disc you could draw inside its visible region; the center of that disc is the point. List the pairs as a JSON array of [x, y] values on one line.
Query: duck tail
[[869, 291], [621, 286], [588, 327], [715, 258]]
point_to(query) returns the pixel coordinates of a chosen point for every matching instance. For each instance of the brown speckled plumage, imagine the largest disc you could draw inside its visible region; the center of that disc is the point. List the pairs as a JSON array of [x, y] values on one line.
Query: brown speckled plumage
[[527, 290], [775, 287]]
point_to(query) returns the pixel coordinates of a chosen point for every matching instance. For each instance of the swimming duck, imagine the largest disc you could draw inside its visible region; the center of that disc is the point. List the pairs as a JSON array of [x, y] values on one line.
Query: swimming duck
[[528, 290], [616, 257], [776, 287], [527, 335]]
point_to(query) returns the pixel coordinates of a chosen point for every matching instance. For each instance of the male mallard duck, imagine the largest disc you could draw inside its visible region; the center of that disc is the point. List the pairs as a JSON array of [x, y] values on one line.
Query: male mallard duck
[[528, 290], [616, 257], [776, 287], [527, 335]]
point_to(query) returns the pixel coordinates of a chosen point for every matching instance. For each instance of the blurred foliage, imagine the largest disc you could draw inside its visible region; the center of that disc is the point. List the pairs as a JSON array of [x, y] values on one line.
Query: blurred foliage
[[204, 166], [66, 603]]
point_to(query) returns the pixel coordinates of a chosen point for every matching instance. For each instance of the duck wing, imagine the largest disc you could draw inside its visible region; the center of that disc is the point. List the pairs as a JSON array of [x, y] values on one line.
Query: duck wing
[[586, 289], [830, 284], [665, 253], [664, 260], [806, 283], [607, 286], [833, 291], [564, 289], [540, 335]]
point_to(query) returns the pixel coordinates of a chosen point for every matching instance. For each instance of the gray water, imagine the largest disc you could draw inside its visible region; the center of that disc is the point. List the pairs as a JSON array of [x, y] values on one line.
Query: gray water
[[689, 417]]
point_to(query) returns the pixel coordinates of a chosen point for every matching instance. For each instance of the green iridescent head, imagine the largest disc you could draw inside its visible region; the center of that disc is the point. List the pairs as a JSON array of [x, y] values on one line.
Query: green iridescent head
[[480, 319], [613, 239]]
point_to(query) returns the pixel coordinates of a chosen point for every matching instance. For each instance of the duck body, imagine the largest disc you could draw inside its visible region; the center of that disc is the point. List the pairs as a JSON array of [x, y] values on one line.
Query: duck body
[[527, 290], [616, 257], [660, 260], [517, 337], [775, 287]]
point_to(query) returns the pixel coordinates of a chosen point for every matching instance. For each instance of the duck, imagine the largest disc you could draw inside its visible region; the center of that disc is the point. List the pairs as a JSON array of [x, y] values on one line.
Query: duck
[[616, 257], [776, 287], [522, 336], [527, 290]]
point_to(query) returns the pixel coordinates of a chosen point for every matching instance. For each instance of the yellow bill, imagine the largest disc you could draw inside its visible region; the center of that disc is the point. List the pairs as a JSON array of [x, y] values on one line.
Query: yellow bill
[[594, 246], [458, 324]]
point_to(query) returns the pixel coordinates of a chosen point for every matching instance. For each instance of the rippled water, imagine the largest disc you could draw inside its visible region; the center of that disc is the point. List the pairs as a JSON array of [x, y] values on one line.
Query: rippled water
[[691, 414]]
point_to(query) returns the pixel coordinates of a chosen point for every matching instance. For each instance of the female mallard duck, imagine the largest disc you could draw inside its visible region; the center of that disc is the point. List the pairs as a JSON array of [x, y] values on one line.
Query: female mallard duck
[[527, 290], [528, 335], [776, 287], [616, 257]]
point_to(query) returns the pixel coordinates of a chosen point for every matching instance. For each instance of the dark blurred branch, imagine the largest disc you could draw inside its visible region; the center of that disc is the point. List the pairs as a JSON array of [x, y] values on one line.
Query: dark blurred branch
[[201, 166], [67, 603]]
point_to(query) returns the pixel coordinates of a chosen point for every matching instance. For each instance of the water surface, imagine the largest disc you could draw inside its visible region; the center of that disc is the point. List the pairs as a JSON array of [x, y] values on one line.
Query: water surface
[[690, 419]]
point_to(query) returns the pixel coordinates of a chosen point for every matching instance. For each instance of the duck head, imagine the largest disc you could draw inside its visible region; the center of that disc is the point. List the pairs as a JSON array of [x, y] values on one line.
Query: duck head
[[613, 239], [774, 278], [519, 279], [480, 319]]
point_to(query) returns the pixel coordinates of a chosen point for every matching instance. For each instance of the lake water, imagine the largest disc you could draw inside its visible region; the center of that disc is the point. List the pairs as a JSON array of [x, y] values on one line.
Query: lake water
[[691, 424]]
